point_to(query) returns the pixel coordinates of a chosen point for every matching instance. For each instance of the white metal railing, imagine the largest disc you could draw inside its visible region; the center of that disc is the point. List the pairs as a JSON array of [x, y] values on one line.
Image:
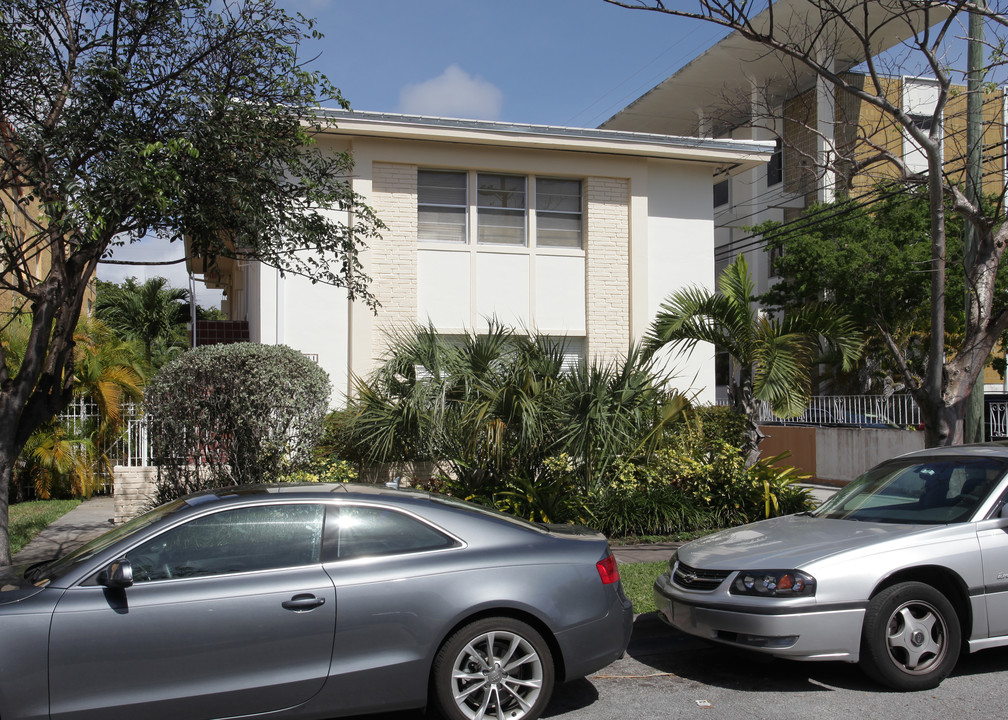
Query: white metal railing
[[128, 448], [854, 410]]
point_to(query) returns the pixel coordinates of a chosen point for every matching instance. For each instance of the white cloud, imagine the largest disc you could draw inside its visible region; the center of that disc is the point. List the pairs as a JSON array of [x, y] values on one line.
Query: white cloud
[[454, 93]]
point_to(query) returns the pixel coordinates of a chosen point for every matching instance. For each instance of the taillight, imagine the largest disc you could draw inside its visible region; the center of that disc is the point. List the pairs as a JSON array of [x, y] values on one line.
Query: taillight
[[608, 570]]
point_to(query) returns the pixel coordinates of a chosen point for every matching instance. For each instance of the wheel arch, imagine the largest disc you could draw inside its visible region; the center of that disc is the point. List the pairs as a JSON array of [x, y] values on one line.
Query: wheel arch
[[948, 582], [528, 618]]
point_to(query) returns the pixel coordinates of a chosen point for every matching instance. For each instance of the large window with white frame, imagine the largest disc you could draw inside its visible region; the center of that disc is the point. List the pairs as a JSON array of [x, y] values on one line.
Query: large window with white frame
[[502, 212]]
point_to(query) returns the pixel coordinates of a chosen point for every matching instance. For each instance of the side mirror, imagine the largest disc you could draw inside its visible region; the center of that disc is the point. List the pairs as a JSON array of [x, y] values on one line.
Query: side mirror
[[119, 574]]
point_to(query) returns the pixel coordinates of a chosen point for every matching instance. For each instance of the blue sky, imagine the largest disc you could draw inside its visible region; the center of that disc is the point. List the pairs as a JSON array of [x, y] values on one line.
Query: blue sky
[[553, 62]]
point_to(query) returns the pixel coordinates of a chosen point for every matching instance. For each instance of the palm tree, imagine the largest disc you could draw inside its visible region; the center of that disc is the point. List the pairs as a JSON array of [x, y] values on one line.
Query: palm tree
[[773, 356], [152, 313]]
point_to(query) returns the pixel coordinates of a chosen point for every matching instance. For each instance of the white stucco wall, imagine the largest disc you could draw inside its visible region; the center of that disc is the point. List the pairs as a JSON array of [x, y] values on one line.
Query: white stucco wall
[[680, 253]]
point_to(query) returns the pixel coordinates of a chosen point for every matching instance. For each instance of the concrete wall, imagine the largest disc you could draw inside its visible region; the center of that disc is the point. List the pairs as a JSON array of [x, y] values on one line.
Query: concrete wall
[[837, 455]]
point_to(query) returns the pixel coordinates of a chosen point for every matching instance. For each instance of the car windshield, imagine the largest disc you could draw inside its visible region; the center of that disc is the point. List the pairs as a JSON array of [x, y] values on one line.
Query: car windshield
[[41, 573], [937, 491]]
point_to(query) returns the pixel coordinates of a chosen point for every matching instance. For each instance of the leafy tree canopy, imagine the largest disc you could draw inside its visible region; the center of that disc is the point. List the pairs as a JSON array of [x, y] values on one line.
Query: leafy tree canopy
[[873, 261], [124, 119]]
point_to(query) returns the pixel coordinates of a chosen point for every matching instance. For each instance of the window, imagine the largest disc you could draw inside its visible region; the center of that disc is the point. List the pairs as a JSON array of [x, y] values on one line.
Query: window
[[500, 208], [558, 213], [366, 531], [441, 206], [262, 537], [775, 168], [721, 192]]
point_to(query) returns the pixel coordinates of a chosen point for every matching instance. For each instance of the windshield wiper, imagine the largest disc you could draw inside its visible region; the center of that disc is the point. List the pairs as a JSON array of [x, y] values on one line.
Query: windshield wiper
[[32, 571]]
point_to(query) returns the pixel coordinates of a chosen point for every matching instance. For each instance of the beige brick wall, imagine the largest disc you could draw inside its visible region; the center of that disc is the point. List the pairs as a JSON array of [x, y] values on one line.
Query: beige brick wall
[[394, 259], [133, 490], [607, 267]]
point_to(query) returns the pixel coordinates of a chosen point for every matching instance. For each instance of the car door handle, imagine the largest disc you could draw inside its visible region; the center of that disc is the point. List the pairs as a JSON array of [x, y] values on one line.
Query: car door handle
[[300, 603]]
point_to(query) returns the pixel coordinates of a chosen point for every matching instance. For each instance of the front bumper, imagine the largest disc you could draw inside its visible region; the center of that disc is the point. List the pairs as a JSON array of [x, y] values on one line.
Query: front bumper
[[800, 632]]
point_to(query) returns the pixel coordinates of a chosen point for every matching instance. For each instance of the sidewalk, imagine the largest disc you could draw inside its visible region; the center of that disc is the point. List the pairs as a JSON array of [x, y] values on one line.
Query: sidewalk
[[86, 521]]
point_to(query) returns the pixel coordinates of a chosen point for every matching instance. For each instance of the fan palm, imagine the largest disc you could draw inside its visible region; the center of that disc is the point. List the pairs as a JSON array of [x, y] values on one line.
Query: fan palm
[[152, 313], [773, 357]]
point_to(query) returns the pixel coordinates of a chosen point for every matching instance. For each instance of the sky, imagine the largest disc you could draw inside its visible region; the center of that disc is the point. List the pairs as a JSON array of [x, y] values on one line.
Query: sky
[[553, 62]]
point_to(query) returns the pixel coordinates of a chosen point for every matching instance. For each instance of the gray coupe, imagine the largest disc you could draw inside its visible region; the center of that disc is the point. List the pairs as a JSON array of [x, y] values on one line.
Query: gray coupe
[[310, 602], [899, 572]]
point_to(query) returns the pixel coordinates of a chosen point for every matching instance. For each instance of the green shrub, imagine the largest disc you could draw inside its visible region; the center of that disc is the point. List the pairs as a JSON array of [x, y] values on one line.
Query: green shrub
[[232, 415], [638, 501]]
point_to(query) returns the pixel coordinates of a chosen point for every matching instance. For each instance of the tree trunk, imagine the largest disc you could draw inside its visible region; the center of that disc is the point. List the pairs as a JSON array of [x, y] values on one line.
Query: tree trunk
[[742, 400], [7, 458]]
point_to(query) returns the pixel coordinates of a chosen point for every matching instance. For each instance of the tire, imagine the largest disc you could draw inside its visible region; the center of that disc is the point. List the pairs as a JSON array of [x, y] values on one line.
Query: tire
[[911, 638], [496, 668]]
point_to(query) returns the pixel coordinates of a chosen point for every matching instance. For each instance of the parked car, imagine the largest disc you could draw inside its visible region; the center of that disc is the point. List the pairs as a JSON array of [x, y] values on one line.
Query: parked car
[[898, 571], [310, 602]]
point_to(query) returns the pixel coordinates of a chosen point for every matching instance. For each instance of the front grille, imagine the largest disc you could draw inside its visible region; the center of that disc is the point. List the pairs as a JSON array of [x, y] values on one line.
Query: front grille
[[694, 579]]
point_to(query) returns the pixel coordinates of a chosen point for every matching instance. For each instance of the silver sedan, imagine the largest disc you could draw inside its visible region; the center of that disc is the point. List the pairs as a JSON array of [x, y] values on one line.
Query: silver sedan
[[310, 602], [899, 571]]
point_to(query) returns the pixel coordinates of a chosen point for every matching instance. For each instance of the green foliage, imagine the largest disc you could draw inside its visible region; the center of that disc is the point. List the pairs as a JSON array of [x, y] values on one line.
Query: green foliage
[[191, 121], [28, 519], [152, 313], [234, 414], [873, 261], [773, 356], [494, 408], [328, 470]]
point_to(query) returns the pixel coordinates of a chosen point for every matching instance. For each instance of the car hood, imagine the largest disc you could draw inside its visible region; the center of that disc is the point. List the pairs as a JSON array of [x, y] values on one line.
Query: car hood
[[790, 542], [13, 586]]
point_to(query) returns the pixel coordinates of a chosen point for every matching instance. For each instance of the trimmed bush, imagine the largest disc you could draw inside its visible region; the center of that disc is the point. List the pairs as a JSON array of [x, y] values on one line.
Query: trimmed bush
[[233, 415]]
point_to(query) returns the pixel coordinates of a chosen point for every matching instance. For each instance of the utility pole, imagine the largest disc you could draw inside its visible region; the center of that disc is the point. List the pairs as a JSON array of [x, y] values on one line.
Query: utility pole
[[973, 431]]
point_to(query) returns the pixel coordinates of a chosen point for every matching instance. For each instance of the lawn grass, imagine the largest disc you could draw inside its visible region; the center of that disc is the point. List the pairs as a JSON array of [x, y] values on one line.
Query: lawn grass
[[28, 519], [638, 579]]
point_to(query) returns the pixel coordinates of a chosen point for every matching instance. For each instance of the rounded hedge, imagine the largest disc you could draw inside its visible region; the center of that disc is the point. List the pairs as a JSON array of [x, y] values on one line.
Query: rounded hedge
[[234, 414]]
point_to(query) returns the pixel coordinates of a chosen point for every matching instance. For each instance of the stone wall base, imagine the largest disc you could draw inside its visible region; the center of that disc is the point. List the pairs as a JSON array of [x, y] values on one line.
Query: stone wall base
[[134, 488]]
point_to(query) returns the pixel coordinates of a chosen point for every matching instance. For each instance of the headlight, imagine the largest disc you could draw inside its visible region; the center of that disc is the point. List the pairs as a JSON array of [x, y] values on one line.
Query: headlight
[[774, 583]]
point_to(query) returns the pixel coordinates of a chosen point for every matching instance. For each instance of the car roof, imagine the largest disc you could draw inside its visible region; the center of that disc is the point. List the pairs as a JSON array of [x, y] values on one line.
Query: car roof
[[997, 449], [314, 491]]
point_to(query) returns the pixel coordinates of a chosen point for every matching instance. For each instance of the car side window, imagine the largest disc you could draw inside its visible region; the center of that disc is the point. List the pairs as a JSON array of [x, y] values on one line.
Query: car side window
[[247, 539], [367, 531]]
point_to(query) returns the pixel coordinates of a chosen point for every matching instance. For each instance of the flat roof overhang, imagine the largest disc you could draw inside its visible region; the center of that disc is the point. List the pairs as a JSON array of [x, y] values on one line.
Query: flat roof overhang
[[723, 78], [732, 156]]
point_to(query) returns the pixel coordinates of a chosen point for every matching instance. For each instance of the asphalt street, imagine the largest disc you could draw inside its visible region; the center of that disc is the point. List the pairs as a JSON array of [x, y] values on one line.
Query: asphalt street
[[667, 674]]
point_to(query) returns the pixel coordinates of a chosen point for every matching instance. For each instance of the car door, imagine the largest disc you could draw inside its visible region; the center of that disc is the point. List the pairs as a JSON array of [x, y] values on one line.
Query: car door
[[993, 537], [230, 613]]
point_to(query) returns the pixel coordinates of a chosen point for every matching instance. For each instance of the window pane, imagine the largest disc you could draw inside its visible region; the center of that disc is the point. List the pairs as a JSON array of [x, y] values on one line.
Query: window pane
[[370, 531], [444, 188], [558, 230], [441, 206], [264, 537], [504, 227], [441, 224], [501, 191], [558, 195], [721, 193]]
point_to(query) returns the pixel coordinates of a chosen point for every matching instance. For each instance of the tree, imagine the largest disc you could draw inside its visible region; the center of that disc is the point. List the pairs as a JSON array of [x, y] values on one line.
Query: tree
[[803, 39], [234, 414], [773, 357], [872, 261], [107, 374], [152, 313], [122, 119]]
